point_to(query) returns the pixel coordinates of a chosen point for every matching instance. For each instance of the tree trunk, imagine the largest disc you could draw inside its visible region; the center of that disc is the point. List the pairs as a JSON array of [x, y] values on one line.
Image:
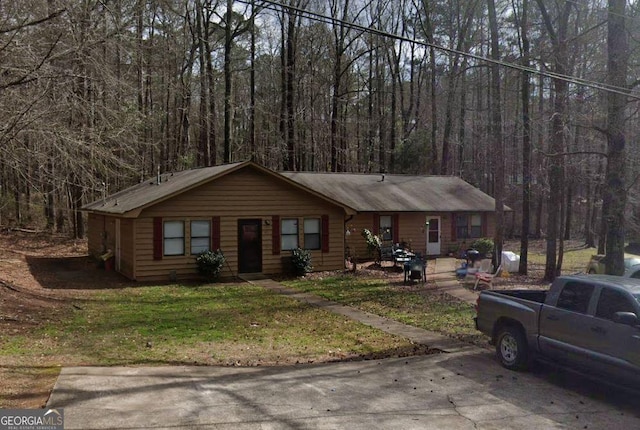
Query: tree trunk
[[496, 133], [228, 44], [557, 146], [526, 141], [615, 197]]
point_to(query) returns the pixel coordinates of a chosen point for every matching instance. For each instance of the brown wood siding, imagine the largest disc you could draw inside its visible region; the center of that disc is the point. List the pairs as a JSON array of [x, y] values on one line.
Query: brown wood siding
[[101, 234], [409, 226], [411, 230], [127, 241], [449, 244], [356, 243], [244, 194], [94, 234]]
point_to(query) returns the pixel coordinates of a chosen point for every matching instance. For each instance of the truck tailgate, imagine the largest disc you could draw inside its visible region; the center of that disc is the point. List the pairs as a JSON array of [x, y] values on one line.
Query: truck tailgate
[[496, 308]]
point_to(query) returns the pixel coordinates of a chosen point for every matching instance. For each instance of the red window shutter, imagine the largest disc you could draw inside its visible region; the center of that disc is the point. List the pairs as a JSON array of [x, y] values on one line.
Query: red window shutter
[[325, 233], [275, 234], [396, 228], [215, 233], [453, 226], [376, 224], [157, 238]]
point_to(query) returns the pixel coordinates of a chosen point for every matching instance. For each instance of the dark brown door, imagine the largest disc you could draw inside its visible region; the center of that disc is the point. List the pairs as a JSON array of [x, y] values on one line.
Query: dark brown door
[[249, 246]]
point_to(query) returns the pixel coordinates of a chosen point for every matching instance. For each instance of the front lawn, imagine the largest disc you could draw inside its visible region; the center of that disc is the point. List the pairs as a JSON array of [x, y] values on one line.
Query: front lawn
[[197, 325], [430, 310]]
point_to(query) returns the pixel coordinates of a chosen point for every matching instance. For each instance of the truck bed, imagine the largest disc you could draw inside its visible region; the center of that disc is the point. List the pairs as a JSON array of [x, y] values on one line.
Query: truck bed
[[538, 296], [497, 307]]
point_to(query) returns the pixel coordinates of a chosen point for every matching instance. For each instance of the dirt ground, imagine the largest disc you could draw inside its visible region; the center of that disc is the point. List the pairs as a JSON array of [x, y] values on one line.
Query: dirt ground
[[41, 277]]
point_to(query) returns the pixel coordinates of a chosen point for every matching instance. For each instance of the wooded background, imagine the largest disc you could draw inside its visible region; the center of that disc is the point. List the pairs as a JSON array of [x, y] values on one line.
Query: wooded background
[[532, 101]]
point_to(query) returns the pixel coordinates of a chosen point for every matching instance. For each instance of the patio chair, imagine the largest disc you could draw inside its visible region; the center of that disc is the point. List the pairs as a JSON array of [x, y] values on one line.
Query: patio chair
[[485, 278]]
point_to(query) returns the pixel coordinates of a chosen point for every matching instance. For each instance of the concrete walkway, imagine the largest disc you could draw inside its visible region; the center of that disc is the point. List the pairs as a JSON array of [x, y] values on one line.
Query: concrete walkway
[[445, 279]]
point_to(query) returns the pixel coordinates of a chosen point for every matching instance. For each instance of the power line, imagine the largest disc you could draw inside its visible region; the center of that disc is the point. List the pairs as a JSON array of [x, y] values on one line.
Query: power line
[[315, 16]]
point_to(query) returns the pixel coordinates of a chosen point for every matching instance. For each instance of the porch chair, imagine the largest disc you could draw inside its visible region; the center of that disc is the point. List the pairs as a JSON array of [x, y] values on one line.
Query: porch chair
[[486, 278], [480, 266]]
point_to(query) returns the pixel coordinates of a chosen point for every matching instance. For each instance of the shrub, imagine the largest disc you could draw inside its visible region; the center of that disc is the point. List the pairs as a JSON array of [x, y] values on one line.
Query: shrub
[[373, 242], [483, 245], [301, 261], [210, 264]]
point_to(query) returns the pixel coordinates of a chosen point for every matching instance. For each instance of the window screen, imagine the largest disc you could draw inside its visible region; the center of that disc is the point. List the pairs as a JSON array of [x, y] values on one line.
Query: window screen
[[200, 236], [476, 226], [462, 226], [312, 233], [289, 234], [173, 238]]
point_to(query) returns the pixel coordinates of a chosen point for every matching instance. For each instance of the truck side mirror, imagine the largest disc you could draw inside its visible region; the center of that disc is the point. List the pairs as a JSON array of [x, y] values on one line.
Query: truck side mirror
[[627, 318]]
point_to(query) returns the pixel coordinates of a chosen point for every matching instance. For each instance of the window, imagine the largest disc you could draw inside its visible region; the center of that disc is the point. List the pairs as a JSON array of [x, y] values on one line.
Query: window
[[289, 234], [386, 227], [173, 238], [476, 226], [468, 226], [200, 236], [610, 302], [575, 297], [312, 233], [462, 226]]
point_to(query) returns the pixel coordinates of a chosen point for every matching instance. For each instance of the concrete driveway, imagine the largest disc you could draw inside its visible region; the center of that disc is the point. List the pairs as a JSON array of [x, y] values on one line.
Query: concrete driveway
[[463, 390]]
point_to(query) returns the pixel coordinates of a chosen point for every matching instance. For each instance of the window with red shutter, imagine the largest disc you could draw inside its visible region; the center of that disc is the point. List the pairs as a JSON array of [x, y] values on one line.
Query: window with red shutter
[[325, 233], [157, 238], [215, 233]]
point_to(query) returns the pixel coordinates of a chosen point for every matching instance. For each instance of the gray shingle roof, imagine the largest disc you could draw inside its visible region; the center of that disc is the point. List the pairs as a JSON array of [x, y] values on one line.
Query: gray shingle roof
[[359, 192], [150, 192], [398, 193]]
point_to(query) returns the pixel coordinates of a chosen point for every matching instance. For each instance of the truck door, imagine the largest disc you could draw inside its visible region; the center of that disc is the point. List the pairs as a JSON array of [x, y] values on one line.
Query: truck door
[[565, 328], [616, 346]]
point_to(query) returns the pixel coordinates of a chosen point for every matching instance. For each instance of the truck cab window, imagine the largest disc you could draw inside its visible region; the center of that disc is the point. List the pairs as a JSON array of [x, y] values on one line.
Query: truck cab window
[[575, 297], [610, 302]]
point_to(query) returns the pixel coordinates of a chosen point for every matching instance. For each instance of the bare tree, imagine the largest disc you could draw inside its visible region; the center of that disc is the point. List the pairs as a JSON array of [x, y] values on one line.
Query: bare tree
[[615, 195]]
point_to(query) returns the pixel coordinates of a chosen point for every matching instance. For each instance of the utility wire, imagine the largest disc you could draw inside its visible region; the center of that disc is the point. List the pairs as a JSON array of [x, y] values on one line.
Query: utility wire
[[315, 16]]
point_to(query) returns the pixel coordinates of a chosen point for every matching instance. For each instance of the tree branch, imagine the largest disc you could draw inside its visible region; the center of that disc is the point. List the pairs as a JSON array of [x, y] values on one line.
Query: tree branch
[[32, 23], [566, 154]]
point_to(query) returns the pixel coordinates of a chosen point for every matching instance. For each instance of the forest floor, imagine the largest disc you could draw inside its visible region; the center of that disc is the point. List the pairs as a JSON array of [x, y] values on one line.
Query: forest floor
[[44, 276]]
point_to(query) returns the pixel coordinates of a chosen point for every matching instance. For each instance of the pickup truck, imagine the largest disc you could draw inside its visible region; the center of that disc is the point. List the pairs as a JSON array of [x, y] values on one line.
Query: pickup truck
[[587, 322]]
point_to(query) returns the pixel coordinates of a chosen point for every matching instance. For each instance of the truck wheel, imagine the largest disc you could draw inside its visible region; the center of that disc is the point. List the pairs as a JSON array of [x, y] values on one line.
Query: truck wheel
[[512, 349]]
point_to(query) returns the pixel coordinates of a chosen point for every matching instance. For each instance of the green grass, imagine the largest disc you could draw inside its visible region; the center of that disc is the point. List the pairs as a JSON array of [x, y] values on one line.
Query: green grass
[[196, 325], [431, 311], [575, 259]]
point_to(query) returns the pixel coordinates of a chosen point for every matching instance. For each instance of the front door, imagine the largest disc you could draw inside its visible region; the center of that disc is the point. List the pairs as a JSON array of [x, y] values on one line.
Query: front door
[[433, 235], [249, 246]]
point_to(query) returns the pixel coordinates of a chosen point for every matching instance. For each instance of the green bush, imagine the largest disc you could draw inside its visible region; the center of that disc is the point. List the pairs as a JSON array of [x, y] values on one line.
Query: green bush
[[483, 245], [301, 261], [373, 242], [210, 264]]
